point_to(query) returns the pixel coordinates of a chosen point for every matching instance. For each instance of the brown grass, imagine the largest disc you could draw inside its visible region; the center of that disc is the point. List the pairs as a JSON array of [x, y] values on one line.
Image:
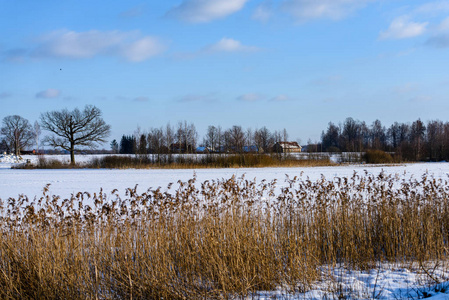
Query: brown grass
[[216, 239], [48, 163], [166, 161], [378, 157]]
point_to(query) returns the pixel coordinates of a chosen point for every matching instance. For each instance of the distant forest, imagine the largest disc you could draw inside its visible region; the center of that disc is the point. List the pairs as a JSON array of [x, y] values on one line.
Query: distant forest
[[414, 141], [407, 142], [185, 139]]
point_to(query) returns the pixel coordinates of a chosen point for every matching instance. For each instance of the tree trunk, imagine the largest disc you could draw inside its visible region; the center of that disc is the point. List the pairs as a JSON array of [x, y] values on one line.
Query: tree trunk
[[16, 143], [16, 148], [72, 154]]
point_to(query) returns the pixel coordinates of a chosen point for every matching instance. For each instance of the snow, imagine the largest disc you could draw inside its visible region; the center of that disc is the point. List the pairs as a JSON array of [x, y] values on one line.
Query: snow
[[8, 160], [386, 282], [391, 282], [64, 182]]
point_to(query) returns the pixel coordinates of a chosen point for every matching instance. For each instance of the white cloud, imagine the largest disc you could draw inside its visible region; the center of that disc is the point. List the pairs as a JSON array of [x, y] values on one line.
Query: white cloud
[[198, 98], [80, 45], [251, 97], [225, 45], [201, 11], [142, 49], [436, 7], [326, 81], [402, 28], [444, 25], [304, 10], [280, 98], [421, 99], [71, 44], [134, 12], [122, 98], [254, 97], [440, 38], [406, 88], [15, 55], [263, 12], [49, 94], [230, 45], [141, 99]]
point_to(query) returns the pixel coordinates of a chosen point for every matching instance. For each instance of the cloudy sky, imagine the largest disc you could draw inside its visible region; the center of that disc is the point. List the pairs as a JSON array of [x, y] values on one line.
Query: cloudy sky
[[294, 64]]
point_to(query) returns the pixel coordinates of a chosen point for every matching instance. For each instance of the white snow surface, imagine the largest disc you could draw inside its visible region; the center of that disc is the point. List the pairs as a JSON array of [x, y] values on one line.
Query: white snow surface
[[388, 283], [8, 160], [64, 182]]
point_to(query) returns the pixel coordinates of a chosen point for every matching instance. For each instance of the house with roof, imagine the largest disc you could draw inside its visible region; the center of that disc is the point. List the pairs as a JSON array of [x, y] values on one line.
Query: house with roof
[[287, 147], [202, 149], [181, 148], [251, 149]]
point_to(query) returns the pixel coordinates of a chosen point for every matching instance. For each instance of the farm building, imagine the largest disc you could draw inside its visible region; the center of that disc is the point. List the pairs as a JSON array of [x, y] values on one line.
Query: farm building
[[287, 147], [181, 148]]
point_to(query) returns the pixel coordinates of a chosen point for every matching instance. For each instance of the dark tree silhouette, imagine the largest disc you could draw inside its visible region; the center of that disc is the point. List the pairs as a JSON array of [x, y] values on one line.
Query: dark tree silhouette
[[75, 128], [17, 132], [128, 144]]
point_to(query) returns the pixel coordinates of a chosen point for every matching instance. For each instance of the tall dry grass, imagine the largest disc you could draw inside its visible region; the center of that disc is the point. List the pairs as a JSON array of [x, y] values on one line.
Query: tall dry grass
[[216, 239], [182, 161]]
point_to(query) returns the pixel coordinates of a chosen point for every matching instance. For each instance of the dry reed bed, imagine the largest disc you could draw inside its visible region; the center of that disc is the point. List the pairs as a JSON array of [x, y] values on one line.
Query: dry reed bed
[[217, 239], [181, 161]]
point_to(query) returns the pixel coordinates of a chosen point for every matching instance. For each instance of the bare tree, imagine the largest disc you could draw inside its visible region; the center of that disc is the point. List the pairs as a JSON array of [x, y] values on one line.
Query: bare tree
[[192, 137], [211, 139], [169, 137], [156, 142], [17, 132], [417, 133], [378, 136], [285, 135], [220, 138], [435, 140], [264, 139], [226, 141], [37, 134], [3, 146], [114, 146], [186, 137], [237, 138], [75, 128], [249, 138], [351, 135], [137, 134], [330, 139]]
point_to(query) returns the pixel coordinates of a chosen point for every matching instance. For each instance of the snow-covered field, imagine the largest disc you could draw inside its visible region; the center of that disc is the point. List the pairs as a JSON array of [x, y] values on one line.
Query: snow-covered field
[[389, 283], [65, 182]]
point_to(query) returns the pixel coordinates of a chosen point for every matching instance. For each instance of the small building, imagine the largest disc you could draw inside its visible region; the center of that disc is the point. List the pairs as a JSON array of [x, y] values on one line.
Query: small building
[[287, 147], [181, 148], [202, 150], [251, 149], [23, 152]]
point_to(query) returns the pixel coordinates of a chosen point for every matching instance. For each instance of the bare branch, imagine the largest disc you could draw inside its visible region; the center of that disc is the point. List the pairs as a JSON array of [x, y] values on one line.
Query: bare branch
[[75, 128], [18, 133]]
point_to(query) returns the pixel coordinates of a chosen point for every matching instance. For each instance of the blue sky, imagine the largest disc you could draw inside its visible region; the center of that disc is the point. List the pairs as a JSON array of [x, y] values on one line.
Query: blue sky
[[294, 64]]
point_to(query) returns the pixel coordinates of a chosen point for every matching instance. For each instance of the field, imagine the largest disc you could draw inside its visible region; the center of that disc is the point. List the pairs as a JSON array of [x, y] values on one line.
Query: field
[[65, 182], [350, 231]]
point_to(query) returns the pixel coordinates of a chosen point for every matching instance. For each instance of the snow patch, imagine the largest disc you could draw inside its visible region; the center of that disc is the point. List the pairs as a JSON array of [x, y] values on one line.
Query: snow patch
[[9, 160]]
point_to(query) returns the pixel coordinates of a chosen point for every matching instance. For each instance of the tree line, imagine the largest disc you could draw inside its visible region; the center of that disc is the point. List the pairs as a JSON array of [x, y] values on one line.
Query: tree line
[[184, 138], [414, 141], [86, 128]]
